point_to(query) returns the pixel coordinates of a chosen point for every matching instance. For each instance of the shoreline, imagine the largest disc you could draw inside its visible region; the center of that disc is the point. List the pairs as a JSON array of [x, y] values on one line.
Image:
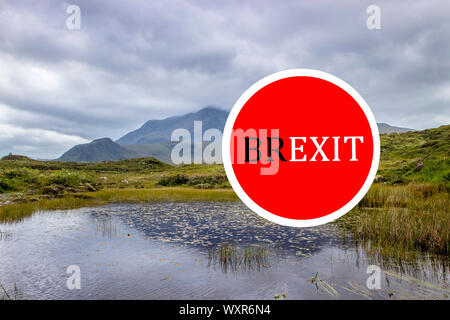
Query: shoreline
[[12, 212]]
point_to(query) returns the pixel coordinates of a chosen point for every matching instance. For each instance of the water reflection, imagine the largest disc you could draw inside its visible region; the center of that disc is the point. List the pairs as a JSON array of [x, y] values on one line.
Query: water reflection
[[199, 251], [106, 227], [211, 224]]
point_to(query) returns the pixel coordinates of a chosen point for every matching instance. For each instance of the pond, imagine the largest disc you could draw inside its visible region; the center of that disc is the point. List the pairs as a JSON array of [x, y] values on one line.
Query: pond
[[199, 251]]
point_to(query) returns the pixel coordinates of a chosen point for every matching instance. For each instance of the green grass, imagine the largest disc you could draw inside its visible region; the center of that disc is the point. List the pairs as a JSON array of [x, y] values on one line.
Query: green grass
[[43, 177], [18, 211], [48, 185], [164, 194], [403, 218], [421, 156], [407, 210]]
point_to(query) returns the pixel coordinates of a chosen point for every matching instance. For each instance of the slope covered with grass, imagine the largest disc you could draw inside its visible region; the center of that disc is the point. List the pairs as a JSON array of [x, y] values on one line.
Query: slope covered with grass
[[417, 156]]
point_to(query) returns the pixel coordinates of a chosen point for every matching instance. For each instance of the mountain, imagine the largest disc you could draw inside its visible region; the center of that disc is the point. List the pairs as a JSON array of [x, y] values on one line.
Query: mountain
[[386, 128], [158, 150], [153, 138], [97, 150], [150, 140], [157, 131]]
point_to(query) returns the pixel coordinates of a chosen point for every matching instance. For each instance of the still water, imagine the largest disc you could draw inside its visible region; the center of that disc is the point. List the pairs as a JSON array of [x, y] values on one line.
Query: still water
[[172, 251]]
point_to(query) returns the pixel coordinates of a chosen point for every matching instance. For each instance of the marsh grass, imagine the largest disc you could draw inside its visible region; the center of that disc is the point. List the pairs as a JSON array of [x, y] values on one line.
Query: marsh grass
[[428, 290], [16, 294], [398, 219], [234, 258], [445, 290], [164, 194], [4, 235], [324, 286], [18, 211], [358, 289]]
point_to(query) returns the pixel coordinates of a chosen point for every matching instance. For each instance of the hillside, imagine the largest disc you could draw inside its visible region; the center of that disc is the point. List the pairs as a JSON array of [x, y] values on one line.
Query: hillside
[[386, 128], [416, 155], [57, 177], [155, 131], [127, 165], [97, 150], [158, 150], [14, 157]]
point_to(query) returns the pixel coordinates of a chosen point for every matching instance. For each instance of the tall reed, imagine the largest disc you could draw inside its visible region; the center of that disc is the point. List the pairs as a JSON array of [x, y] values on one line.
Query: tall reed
[[407, 217]]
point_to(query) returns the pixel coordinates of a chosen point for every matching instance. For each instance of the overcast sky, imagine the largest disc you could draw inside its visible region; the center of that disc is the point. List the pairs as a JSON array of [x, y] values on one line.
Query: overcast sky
[[133, 61]]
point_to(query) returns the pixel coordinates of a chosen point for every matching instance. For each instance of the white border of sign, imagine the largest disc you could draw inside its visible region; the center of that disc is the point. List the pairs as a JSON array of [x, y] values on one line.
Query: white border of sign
[[227, 140]]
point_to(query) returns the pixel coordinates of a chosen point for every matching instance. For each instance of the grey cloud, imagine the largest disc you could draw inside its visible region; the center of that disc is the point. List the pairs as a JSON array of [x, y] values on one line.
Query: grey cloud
[[139, 60]]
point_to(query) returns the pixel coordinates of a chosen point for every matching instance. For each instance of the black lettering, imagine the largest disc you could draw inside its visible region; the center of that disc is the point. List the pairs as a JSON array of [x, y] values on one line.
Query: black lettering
[[247, 149], [270, 150]]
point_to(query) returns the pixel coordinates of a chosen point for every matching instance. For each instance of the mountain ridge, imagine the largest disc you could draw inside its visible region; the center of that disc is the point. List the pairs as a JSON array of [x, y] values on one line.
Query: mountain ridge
[[152, 139], [154, 131]]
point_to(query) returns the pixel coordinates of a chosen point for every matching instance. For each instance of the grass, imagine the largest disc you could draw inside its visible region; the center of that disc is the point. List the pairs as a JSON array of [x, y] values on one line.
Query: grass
[[324, 286], [18, 211], [419, 156], [235, 258], [418, 282], [428, 290], [164, 194], [16, 294], [51, 177], [411, 217], [32, 186]]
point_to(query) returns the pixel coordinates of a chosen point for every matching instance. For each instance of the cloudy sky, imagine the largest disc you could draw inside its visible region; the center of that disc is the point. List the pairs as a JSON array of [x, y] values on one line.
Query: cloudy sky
[[132, 61]]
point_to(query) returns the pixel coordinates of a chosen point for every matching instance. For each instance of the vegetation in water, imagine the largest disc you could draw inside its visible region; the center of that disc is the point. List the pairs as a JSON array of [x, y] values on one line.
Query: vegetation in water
[[14, 294], [401, 218], [234, 258]]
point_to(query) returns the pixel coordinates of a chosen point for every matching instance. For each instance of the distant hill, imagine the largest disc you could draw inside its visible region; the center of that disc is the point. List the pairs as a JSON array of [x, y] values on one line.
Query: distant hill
[[153, 138], [386, 128], [15, 157], [97, 150]]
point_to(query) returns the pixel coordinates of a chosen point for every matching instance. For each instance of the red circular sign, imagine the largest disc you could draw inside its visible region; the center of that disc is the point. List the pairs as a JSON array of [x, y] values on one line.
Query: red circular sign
[[301, 147]]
